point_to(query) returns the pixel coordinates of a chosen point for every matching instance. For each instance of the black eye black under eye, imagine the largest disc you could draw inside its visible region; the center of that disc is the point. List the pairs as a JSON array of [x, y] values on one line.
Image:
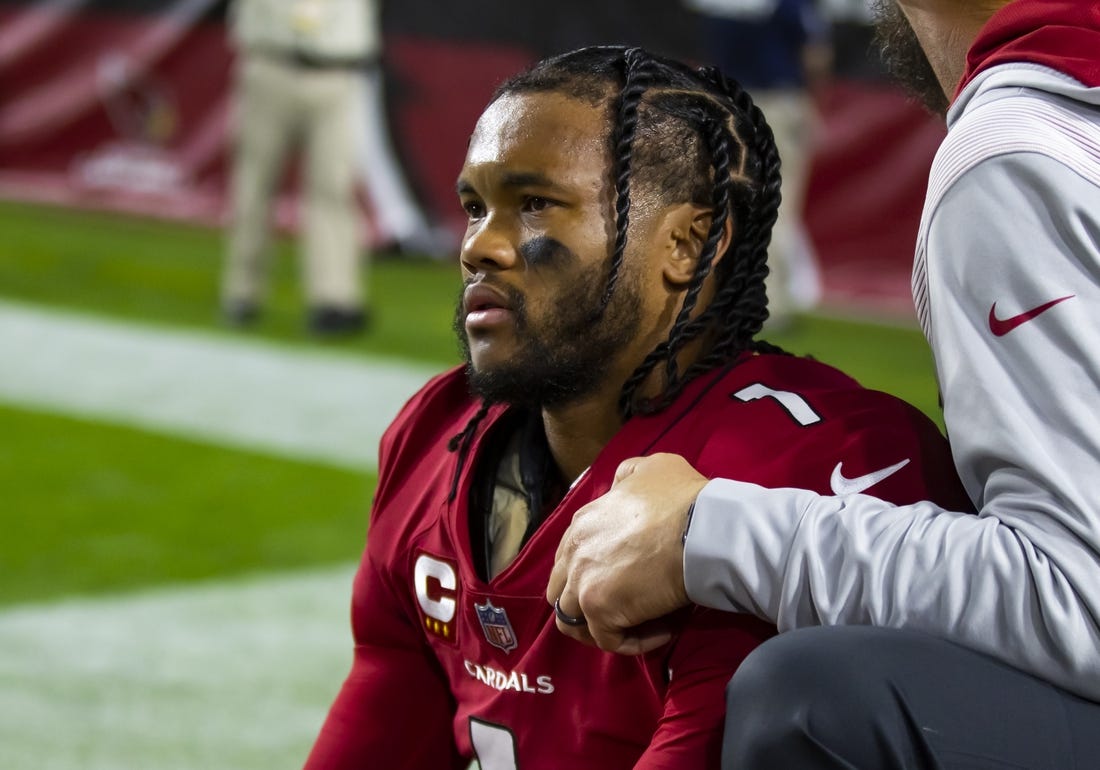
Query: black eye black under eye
[[545, 251]]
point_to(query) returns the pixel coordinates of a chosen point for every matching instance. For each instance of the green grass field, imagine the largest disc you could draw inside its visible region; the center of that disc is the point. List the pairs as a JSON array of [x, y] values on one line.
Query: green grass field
[[167, 274], [93, 509], [154, 509]]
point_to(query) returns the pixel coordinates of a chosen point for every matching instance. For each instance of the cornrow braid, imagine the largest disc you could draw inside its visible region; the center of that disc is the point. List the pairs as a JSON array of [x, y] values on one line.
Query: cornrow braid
[[636, 76], [718, 141], [739, 308], [768, 197], [684, 330], [743, 302], [461, 442]]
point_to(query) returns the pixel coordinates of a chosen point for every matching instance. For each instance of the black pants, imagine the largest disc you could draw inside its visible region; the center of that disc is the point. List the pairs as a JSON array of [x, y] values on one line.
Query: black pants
[[868, 698]]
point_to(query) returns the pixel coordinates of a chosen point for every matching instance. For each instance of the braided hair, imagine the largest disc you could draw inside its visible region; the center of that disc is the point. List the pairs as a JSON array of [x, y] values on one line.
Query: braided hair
[[688, 135]]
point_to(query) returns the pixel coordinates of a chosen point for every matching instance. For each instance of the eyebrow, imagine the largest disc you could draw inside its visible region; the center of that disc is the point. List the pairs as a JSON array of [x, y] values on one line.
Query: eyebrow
[[512, 179], [526, 179]]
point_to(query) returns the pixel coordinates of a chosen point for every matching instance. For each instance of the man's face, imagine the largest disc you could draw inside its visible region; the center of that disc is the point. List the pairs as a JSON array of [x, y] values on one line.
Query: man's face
[[903, 56], [535, 257]]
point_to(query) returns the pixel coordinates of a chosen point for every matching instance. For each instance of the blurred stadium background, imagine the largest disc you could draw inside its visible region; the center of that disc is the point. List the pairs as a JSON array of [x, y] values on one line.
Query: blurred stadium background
[[182, 505]]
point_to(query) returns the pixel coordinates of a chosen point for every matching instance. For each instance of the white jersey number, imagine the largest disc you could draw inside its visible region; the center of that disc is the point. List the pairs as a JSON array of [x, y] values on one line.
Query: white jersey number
[[794, 404], [495, 746]]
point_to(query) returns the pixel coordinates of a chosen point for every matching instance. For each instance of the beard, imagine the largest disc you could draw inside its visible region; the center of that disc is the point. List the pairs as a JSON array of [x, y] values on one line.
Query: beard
[[563, 356], [904, 58]]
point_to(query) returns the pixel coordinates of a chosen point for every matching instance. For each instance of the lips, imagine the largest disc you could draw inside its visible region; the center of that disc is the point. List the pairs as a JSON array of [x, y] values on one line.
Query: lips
[[478, 297], [486, 308]]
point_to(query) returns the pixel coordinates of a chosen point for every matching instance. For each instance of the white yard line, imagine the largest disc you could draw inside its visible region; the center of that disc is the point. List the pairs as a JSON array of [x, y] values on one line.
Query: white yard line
[[233, 675], [304, 404]]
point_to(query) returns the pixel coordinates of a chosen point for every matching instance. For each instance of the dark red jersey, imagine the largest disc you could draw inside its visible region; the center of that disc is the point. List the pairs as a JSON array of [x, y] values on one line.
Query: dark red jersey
[[449, 667]]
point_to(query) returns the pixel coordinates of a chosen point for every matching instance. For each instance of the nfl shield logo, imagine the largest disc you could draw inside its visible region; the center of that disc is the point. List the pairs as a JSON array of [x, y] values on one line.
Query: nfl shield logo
[[494, 622]]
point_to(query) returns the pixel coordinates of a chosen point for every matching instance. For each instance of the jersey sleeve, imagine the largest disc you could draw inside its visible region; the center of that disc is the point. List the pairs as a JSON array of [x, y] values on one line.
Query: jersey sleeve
[[394, 709], [421, 423], [1018, 580], [701, 662]]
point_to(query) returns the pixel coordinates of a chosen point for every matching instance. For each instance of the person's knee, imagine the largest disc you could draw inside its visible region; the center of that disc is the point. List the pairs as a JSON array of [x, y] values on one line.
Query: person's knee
[[798, 696], [807, 664]]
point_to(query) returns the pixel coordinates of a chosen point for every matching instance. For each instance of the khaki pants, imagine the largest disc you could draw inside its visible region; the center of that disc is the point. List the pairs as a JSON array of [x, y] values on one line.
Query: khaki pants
[[281, 106], [793, 281]]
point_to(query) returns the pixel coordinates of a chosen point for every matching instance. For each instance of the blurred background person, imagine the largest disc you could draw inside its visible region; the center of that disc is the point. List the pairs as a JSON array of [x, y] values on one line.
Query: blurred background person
[[780, 51], [300, 83], [399, 221]]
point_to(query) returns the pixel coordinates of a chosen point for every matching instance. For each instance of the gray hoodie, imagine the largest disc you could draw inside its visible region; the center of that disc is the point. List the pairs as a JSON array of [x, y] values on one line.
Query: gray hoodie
[[1007, 285]]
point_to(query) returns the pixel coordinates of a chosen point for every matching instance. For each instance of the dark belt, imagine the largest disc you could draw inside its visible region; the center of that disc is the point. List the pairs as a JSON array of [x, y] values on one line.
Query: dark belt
[[313, 61]]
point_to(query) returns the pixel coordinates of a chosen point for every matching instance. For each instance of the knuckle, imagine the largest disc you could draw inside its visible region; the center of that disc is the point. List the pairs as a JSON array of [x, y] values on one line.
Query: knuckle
[[593, 601], [606, 642]]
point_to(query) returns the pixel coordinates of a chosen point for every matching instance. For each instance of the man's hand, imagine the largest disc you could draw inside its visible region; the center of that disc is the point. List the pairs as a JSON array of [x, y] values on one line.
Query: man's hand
[[620, 564]]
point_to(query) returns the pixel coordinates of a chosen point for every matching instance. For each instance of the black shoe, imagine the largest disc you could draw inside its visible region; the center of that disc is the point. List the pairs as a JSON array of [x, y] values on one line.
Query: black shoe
[[240, 313], [328, 321]]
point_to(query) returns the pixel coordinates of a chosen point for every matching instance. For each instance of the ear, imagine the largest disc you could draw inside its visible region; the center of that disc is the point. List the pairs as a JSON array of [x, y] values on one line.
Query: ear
[[688, 225]]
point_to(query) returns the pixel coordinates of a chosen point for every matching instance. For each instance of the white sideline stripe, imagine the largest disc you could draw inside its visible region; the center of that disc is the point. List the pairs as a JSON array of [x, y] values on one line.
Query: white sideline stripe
[[313, 405], [231, 674]]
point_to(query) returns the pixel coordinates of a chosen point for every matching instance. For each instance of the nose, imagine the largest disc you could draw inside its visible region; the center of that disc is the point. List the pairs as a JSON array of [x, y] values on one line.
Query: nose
[[488, 245]]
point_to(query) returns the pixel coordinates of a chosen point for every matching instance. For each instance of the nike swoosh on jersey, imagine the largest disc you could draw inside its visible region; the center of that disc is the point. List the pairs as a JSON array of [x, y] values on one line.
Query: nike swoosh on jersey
[[845, 486], [1000, 327]]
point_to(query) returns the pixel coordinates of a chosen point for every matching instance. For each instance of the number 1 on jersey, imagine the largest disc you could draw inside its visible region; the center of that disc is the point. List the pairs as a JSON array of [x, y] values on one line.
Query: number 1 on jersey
[[494, 746]]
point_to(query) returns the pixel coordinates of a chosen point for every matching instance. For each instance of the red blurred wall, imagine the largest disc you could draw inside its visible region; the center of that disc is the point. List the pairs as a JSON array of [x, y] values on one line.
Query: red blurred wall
[[129, 111]]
